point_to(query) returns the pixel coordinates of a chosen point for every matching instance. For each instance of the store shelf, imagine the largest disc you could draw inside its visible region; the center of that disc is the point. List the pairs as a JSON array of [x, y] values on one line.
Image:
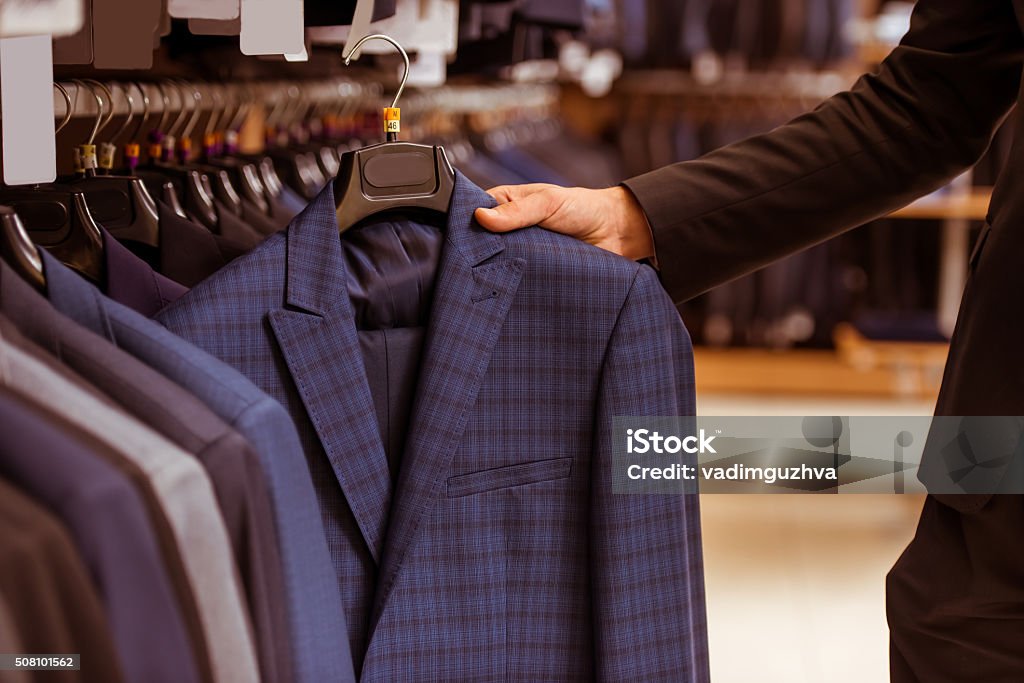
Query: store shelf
[[874, 53], [972, 205], [857, 368]]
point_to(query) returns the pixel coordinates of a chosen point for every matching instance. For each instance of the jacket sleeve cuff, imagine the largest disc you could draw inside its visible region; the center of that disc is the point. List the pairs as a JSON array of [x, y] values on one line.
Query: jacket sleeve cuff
[[654, 192]]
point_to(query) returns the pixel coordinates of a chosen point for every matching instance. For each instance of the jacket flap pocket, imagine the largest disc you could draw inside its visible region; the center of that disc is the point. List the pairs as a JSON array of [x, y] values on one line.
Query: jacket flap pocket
[[507, 477]]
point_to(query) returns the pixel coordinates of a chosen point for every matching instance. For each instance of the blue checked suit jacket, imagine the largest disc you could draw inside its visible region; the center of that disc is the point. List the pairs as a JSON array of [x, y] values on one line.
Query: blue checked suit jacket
[[501, 553]]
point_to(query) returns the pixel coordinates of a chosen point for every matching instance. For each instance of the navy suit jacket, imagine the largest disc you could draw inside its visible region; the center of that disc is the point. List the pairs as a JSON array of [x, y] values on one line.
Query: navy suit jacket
[[317, 623], [500, 553]]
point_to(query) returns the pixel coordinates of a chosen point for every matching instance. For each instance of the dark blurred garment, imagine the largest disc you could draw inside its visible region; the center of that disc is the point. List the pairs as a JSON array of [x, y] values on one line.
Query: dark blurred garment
[[189, 253], [286, 206], [340, 12], [57, 465], [562, 13], [10, 641], [261, 224], [319, 637], [49, 593], [527, 166], [235, 227], [182, 488], [825, 39], [234, 471]]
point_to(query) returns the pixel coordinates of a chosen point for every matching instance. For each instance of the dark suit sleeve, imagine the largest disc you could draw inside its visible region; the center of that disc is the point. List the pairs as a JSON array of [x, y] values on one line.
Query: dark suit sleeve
[[925, 116], [647, 585]]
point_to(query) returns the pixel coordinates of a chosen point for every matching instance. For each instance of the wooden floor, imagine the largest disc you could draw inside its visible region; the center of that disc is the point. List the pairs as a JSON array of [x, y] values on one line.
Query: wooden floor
[[795, 584]]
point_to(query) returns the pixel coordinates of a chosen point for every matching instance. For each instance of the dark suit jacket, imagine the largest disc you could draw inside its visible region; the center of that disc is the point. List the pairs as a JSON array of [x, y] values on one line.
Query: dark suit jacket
[[49, 592], [234, 470], [319, 645], [189, 252], [133, 282], [58, 465], [501, 552], [925, 116]]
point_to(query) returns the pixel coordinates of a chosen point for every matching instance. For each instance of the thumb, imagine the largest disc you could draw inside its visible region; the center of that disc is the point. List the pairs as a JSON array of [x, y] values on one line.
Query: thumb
[[519, 213]]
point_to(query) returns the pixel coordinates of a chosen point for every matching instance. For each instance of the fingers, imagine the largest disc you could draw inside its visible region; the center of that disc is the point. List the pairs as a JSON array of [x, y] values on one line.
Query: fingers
[[524, 211], [511, 193]]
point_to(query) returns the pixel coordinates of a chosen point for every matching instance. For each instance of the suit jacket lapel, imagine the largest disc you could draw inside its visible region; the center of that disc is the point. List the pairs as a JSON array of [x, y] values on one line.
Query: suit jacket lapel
[[472, 297], [317, 337]]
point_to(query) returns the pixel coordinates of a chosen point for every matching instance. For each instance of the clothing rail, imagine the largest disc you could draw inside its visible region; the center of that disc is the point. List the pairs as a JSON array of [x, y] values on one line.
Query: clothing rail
[[171, 97]]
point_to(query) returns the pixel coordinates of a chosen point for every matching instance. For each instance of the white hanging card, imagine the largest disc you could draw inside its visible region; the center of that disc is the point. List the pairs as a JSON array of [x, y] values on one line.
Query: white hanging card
[[26, 110], [56, 17], [272, 27]]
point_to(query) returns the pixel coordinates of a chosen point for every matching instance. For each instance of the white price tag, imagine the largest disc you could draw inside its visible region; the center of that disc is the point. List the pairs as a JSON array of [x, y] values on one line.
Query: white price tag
[[26, 110], [272, 27], [203, 9], [56, 17]]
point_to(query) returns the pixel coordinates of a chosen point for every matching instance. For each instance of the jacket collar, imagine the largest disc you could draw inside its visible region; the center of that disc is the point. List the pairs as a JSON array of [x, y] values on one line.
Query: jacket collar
[[314, 252], [316, 335], [74, 297]]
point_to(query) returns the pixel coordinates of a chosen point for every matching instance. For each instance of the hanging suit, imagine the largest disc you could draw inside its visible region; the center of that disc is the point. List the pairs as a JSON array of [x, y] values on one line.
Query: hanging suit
[[499, 551], [48, 459], [319, 647], [50, 594], [238, 481]]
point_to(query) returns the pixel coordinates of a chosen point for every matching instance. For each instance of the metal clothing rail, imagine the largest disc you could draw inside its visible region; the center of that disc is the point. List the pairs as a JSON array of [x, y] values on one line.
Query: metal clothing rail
[[173, 97]]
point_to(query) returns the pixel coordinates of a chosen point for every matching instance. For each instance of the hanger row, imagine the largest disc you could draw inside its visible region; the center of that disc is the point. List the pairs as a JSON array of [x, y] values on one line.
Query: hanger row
[[175, 100]]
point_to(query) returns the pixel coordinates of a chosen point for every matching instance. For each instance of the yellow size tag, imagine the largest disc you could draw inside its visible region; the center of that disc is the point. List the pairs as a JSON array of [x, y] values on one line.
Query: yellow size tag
[[392, 120]]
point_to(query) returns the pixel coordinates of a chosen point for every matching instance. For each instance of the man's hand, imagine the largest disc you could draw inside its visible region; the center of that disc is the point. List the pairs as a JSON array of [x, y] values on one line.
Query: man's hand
[[610, 219]]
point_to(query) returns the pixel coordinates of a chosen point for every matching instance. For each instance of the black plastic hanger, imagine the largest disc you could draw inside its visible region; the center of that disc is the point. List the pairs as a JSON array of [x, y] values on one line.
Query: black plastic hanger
[[244, 174], [216, 181], [188, 183], [122, 204], [158, 185], [57, 217], [18, 251], [59, 220], [296, 166], [391, 175]]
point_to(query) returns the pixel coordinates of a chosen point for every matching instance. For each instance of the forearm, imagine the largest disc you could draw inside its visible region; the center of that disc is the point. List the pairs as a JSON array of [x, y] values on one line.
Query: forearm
[[927, 115]]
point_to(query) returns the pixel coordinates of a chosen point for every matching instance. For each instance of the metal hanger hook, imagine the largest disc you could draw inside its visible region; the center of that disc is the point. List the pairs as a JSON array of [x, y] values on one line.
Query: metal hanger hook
[[145, 110], [110, 102], [68, 109], [197, 102], [131, 113], [99, 109], [389, 39]]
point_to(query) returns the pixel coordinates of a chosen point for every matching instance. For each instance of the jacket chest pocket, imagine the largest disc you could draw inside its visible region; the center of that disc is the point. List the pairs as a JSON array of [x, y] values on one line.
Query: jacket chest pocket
[[509, 476]]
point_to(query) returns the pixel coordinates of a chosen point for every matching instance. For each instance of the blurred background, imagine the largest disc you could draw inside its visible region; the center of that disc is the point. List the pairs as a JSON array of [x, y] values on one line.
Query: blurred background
[[857, 326]]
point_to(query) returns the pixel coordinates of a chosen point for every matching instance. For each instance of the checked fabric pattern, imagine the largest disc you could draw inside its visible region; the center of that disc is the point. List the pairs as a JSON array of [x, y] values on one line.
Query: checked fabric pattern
[[501, 553]]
